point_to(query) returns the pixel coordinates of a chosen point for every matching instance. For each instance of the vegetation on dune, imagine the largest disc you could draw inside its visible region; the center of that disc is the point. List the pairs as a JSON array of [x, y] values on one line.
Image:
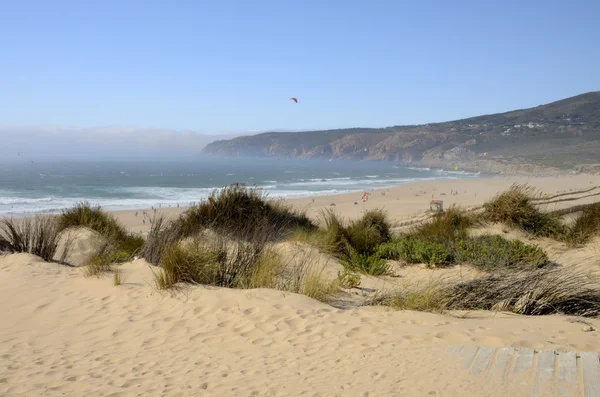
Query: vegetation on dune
[[446, 227], [125, 245], [490, 252], [586, 226], [38, 236], [539, 292], [515, 208], [238, 211], [545, 291], [356, 243], [235, 211], [95, 218], [101, 262]]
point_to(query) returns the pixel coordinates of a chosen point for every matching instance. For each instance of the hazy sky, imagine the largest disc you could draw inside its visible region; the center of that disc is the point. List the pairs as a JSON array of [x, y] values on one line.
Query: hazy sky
[[231, 66]]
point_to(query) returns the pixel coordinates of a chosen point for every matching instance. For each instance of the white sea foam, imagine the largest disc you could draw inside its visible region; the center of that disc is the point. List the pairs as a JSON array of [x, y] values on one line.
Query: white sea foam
[[24, 202]]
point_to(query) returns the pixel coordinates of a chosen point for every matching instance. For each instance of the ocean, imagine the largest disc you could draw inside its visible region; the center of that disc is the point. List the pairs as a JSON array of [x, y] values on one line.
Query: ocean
[[49, 187]]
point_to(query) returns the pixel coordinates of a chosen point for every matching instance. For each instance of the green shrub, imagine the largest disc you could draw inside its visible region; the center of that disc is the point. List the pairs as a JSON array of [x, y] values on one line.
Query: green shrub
[[495, 252], [368, 264], [433, 254], [400, 248]]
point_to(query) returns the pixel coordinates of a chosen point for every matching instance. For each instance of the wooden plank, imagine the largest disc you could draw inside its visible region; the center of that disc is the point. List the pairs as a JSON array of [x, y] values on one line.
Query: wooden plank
[[590, 365], [524, 361], [483, 360], [467, 354], [567, 373], [500, 368], [544, 373]]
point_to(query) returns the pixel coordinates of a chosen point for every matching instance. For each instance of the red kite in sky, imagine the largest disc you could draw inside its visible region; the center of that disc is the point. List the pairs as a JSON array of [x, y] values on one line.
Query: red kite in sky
[[294, 99]]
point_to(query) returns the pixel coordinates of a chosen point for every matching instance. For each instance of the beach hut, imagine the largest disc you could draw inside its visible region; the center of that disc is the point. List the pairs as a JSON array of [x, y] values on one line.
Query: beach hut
[[436, 205]]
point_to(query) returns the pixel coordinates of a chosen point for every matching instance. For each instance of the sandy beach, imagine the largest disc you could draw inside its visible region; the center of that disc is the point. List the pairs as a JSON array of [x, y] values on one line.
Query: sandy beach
[[407, 201], [65, 334]]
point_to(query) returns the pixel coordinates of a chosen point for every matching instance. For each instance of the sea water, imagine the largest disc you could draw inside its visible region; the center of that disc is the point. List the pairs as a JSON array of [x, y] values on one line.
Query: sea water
[[49, 187]]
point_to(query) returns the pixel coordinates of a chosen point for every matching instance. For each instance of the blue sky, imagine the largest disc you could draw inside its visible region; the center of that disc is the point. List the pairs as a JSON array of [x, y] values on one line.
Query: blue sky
[[231, 66]]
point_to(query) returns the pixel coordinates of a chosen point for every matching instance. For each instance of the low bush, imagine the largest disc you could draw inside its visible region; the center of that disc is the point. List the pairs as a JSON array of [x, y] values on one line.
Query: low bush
[[402, 247], [367, 264], [433, 254], [490, 252], [38, 236], [414, 250]]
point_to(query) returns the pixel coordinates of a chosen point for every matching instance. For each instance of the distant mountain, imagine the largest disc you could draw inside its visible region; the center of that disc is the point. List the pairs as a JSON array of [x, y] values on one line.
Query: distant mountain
[[560, 134]]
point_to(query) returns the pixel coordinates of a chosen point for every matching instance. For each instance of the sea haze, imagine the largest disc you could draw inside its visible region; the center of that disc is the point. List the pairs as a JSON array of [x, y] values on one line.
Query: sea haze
[[48, 187]]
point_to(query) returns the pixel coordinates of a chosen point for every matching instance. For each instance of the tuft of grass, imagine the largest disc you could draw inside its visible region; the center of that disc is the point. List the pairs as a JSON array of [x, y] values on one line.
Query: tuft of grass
[[430, 296], [446, 227], [214, 260], [239, 211], [100, 263], [492, 252], [515, 208], [161, 236], [540, 292], [194, 263], [38, 236], [118, 277], [348, 279], [268, 271], [356, 243], [317, 288], [585, 227], [534, 293], [85, 215]]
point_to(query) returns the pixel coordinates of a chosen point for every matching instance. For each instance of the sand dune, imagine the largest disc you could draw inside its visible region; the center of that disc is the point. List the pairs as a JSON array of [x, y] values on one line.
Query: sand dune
[[63, 334]]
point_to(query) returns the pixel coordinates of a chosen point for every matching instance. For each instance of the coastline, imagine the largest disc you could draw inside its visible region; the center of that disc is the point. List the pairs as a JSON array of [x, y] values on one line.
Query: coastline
[[406, 200]]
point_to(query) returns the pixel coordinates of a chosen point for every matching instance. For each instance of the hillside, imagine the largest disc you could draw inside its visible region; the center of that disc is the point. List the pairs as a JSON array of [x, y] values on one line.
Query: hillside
[[562, 134]]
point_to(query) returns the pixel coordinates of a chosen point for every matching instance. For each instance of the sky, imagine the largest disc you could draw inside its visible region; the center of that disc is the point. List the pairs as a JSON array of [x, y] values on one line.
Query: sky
[[230, 67]]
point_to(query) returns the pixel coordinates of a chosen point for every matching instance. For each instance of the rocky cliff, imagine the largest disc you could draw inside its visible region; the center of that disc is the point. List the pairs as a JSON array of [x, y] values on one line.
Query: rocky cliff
[[561, 134]]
